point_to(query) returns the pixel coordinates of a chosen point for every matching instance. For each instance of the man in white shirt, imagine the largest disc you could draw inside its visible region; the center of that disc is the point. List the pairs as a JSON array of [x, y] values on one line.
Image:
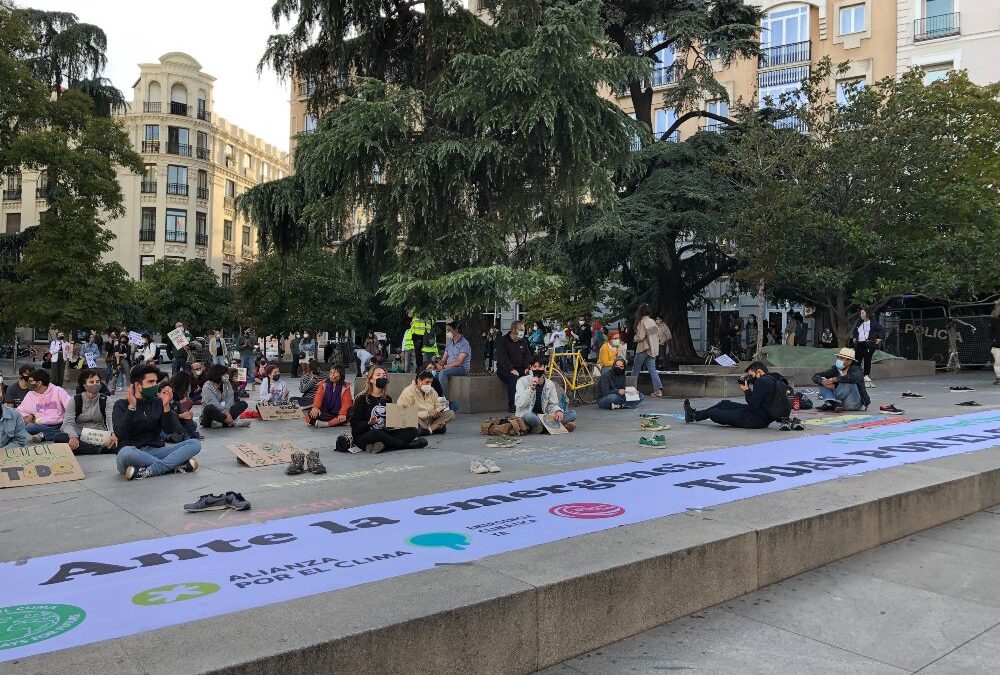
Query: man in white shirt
[[57, 348]]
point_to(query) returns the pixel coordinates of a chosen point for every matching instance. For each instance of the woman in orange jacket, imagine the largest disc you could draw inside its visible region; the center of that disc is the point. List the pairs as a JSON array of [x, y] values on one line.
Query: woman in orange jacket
[[332, 402]]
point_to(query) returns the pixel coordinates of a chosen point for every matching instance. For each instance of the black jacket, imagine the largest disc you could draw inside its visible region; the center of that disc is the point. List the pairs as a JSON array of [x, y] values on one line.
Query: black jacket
[[760, 397], [855, 375], [361, 412], [875, 332], [141, 428], [610, 383], [995, 331], [513, 355]]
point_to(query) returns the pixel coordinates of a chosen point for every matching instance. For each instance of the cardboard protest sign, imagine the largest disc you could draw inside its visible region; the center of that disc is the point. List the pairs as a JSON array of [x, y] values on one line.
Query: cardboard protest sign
[[725, 360], [38, 465], [241, 374], [631, 394], [178, 337], [553, 426], [286, 411], [264, 454], [135, 338], [91, 360], [380, 337], [95, 436], [400, 418]]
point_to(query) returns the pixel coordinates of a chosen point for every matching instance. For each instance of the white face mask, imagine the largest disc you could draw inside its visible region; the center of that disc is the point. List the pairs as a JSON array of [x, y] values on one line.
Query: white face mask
[[225, 378], [426, 388], [520, 334]]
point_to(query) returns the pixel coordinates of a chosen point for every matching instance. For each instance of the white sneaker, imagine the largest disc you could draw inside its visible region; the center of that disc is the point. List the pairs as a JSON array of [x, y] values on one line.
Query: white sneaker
[[477, 466], [658, 393], [869, 383], [241, 422], [617, 406], [36, 438], [322, 425], [491, 466]]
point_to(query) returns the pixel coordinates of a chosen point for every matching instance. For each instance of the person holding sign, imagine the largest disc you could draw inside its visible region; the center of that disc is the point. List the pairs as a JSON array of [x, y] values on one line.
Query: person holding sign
[[220, 407], [140, 420], [432, 417], [181, 339], [87, 423], [369, 416], [90, 352], [272, 389], [612, 394], [536, 396], [331, 404]]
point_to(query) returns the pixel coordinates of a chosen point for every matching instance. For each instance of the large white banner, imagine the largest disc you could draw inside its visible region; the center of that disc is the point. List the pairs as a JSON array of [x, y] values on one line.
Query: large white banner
[[70, 599]]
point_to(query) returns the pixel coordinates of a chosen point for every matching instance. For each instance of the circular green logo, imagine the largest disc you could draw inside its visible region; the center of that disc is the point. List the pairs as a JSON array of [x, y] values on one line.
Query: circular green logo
[[165, 595], [22, 625]]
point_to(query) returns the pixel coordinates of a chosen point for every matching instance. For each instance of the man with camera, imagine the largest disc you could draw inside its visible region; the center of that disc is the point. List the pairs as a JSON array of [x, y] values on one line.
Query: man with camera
[[761, 392], [536, 397]]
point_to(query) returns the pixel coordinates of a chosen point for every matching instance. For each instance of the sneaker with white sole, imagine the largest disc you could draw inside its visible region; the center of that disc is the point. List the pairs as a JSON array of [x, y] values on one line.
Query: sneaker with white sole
[[137, 472], [477, 466], [241, 422], [869, 383], [491, 466], [35, 438], [617, 406], [890, 409], [375, 448], [189, 466], [911, 394], [658, 393], [320, 424], [208, 503], [658, 441]]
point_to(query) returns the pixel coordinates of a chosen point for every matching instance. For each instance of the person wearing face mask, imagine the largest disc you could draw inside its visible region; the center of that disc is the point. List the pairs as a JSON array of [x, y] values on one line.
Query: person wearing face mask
[[868, 337], [140, 421], [58, 349], [611, 388], [843, 386], [89, 410], [16, 392], [458, 356], [90, 348], [584, 335], [307, 346], [420, 394], [197, 382], [536, 396], [220, 406], [368, 420], [44, 408], [760, 389], [331, 404], [610, 351], [513, 359], [272, 388], [218, 349]]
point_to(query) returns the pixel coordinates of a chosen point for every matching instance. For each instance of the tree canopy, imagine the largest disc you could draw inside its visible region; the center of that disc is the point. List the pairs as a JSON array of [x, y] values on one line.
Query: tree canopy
[[187, 291]]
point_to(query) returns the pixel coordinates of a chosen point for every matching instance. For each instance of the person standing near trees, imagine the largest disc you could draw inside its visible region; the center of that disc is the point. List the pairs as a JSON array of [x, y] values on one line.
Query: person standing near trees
[[248, 342], [868, 336], [995, 341], [419, 328], [513, 359], [647, 346], [57, 349]]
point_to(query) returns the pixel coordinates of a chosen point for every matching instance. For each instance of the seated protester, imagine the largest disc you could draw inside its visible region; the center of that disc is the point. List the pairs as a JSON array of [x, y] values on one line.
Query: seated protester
[[147, 353], [219, 405], [139, 421], [331, 404], [458, 356], [44, 408], [420, 394], [89, 410], [513, 356], [12, 431], [609, 351], [309, 383], [196, 382], [16, 391], [432, 368], [611, 388], [759, 391], [368, 420], [537, 396], [843, 386], [182, 405], [104, 391], [272, 389]]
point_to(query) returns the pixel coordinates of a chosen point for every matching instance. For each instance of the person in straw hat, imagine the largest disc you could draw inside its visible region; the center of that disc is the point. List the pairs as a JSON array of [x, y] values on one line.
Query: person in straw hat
[[842, 387]]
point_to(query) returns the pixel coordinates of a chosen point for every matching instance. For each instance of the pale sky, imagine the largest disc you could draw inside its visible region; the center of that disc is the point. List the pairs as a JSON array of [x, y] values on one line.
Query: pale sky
[[227, 37]]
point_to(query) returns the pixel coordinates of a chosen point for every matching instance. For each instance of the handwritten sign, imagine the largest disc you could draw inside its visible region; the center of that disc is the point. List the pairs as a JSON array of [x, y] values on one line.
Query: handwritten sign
[[90, 359], [95, 436], [380, 337], [725, 360], [400, 418], [178, 337], [135, 338], [285, 411], [38, 465], [264, 454], [241, 374]]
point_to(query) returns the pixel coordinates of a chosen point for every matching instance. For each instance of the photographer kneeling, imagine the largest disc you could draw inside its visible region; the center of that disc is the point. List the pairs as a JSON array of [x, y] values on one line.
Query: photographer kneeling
[[760, 389]]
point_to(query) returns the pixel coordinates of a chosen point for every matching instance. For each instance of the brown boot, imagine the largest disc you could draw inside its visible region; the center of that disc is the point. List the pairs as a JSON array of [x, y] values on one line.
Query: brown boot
[[295, 468], [313, 464]]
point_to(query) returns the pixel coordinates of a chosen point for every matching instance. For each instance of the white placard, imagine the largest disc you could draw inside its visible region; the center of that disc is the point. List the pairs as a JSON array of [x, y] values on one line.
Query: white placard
[[725, 360], [135, 338], [241, 374], [90, 359], [95, 436], [380, 337], [631, 394], [178, 338]]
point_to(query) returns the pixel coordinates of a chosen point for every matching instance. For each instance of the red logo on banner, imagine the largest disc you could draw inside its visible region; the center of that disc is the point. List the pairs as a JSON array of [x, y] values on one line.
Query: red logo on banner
[[587, 510]]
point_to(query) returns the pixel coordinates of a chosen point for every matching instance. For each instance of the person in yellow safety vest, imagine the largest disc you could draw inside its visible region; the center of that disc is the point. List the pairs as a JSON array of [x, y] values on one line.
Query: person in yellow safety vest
[[430, 350], [418, 329], [409, 355]]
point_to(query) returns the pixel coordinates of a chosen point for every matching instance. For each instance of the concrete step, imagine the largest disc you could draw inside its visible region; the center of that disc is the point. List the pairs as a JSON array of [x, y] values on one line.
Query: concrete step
[[525, 610]]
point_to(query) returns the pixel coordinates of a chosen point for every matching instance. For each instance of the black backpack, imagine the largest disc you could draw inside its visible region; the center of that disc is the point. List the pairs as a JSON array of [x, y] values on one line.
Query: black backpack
[[780, 407]]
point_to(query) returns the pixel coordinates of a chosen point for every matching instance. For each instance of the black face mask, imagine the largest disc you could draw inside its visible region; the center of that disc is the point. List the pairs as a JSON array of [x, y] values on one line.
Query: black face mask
[[538, 373], [381, 382], [619, 371]]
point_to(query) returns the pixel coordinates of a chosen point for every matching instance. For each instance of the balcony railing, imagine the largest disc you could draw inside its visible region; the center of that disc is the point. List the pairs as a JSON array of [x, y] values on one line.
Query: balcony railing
[[147, 234], [663, 76], [177, 236], [150, 146], [933, 27], [177, 189], [201, 239], [797, 52], [202, 193], [785, 76], [180, 109], [42, 192], [151, 106], [12, 194], [792, 123], [203, 153], [178, 149], [204, 115], [148, 186], [713, 127]]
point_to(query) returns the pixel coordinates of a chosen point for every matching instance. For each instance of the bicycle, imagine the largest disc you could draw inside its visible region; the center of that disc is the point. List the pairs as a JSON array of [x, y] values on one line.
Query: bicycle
[[580, 385]]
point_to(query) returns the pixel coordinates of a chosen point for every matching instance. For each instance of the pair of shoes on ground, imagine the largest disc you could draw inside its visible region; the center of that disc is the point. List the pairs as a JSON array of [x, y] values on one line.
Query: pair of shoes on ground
[[653, 424], [478, 465], [911, 394], [503, 442], [791, 424], [890, 409], [140, 472], [305, 462], [230, 500], [657, 441]]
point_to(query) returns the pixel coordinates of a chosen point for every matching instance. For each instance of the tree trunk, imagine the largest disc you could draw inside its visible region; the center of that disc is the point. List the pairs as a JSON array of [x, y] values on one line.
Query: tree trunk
[[758, 354], [673, 307], [839, 318], [472, 329]]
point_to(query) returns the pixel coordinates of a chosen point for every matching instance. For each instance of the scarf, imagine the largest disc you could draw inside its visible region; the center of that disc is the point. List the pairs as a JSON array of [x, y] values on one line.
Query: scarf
[[332, 397]]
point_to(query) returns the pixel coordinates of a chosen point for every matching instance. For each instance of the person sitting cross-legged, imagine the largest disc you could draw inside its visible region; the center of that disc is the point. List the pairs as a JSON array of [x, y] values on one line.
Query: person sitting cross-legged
[[139, 420], [843, 386], [536, 396], [331, 404], [759, 390], [220, 405], [420, 394], [12, 431], [611, 388], [89, 410], [44, 408], [368, 419]]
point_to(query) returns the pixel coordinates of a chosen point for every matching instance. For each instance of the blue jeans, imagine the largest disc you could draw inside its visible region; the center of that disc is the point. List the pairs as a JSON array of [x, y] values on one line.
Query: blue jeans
[[49, 432], [443, 376], [647, 360], [159, 460], [219, 361], [606, 402], [246, 360], [847, 394], [179, 365], [535, 423], [110, 368]]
